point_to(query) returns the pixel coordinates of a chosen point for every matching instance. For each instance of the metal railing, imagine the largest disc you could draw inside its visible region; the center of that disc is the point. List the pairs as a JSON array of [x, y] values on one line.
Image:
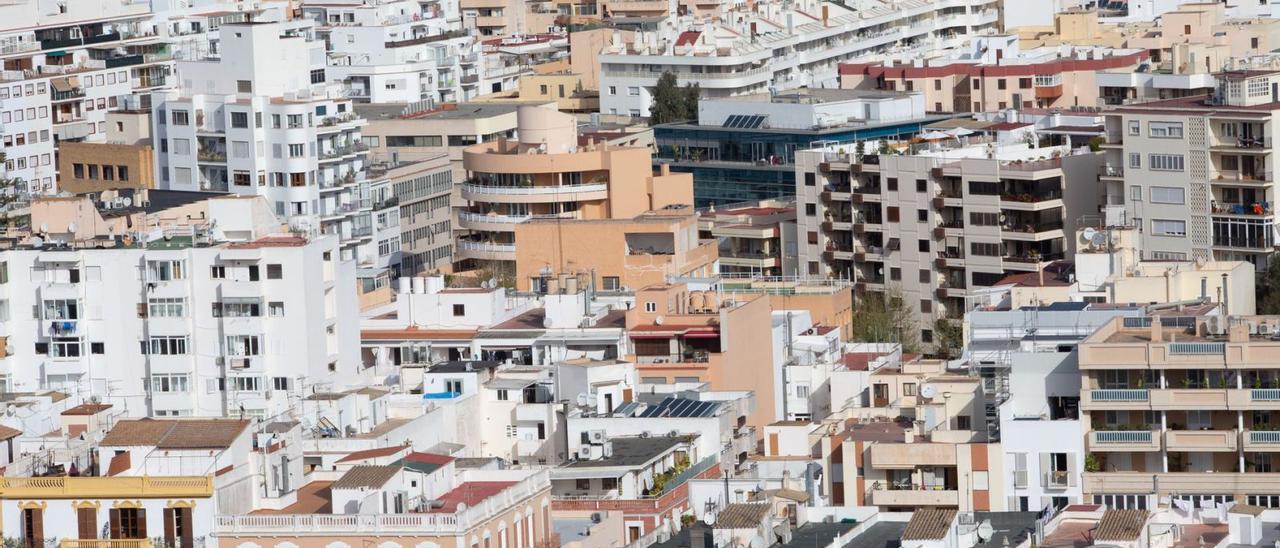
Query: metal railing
[[1264, 436], [1119, 394], [1197, 348], [1122, 436], [517, 190], [1264, 394]]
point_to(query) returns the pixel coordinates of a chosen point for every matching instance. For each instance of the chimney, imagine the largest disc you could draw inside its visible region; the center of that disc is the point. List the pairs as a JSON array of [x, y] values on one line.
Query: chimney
[[824, 15], [1157, 330], [664, 169]]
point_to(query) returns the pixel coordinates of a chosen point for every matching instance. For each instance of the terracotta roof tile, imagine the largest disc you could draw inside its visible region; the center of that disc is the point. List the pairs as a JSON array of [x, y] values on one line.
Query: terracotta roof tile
[[364, 476], [87, 409], [1121, 525], [7, 433], [373, 453], [742, 516], [176, 433], [929, 524], [119, 464]]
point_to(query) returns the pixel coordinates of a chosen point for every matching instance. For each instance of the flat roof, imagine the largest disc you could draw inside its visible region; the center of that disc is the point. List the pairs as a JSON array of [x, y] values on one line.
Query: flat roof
[[633, 451]]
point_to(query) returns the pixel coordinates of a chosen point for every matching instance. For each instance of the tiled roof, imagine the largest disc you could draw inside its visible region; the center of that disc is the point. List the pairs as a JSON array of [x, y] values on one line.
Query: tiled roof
[[176, 433], [119, 464], [87, 409], [1121, 525], [7, 433], [373, 453], [742, 516], [929, 524], [470, 493], [364, 476]]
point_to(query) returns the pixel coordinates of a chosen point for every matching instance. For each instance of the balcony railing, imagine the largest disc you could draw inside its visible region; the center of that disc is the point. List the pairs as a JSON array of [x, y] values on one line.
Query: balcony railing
[[1197, 348], [1265, 394], [105, 543], [1119, 395], [1264, 437], [1122, 436], [522, 190], [123, 487]]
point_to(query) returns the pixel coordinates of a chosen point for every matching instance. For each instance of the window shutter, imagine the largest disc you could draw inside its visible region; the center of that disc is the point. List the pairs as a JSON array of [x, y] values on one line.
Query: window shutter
[[37, 526], [168, 527], [88, 522], [1044, 469], [142, 523], [1071, 469], [188, 534], [114, 515]]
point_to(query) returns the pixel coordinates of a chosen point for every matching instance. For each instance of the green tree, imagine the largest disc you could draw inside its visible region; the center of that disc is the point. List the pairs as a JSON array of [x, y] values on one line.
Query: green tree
[[948, 338], [671, 103], [1268, 291], [885, 317]]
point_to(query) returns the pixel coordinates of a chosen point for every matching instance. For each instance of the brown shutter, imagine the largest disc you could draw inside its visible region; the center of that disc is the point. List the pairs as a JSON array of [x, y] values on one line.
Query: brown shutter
[[114, 516], [142, 523], [188, 533], [168, 526], [37, 526], [87, 521]]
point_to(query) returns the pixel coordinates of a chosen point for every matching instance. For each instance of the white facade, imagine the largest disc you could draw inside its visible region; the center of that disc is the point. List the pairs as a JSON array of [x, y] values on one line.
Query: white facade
[[773, 47], [226, 328], [251, 122]]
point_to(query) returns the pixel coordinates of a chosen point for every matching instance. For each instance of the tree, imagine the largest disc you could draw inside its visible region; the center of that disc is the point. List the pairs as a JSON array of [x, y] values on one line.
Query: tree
[[671, 103], [1268, 291], [948, 338], [885, 317]]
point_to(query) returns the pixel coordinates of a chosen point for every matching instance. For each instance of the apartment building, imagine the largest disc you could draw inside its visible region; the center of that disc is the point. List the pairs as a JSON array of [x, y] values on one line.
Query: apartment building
[[916, 445], [1195, 173], [401, 133], [398, 51], [754, 238], [550, 173], [126, 160], [165, 318], [994, 73], [1176, 405], [737, 158], [976, 210], [249, 124], [757, 47], [623, 253], [65, 66], [414, 207]]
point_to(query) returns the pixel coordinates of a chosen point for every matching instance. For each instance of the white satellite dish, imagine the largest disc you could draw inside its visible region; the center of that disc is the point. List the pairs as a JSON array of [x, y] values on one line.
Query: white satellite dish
[[127, 201], [1088, 234], [709, 518], [37, 241], [584, 399], [44, 227], [928, 391], [658, 320], [71, 227], [985, 530]]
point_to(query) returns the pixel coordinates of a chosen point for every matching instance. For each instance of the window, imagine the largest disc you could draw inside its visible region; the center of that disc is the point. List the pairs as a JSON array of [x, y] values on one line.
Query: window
[[180, 118], [978, 218], [1135, 160], [165, 346], [812, 237], [1000, 84], [169, 307], [895, 274], [244, 384], [926, 306], [1165, 130], [239, 120], [922, 185], [926, 276], [244, 86], [892, 184], [908, 389], [297, 150], [633, 91], [97, 348], [611, 283], [164, 271], [923, 246], [1135, 193], [1168, 227], [963, 422], [984, 188], [811, 210], [170, 383], [984, 249], [503, 395], [1135, 127], [810, 179], [802, 390], [242, 345], [275, 271], [280, 383], [891, 213], [414, 141], [275, 309], [1024, 83], [218, 272], [922, 215], [582, 484], [651, 307], [459, 310], [61, 309], [1165, 162], [926, 335], [1168, 195], [64, 347]]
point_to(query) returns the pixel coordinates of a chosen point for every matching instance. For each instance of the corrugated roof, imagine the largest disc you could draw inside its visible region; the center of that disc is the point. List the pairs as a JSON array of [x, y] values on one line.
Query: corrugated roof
[[1121, 525], [364, 476], [929, 524], [742, 516], [176, 433]]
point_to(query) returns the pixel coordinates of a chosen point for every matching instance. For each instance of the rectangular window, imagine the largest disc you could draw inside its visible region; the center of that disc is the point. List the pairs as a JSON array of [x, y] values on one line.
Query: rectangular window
[[179, 118], [1165, 130], [1168, 195], [240, 120], [165, 346], [1165, 162], [275, 309], [1135, 160], [1135, 127], [170, 383], [611, 283], [242, 345], [984, 249], [275, 271], [170, 307], [1168, 227], [164, 271]]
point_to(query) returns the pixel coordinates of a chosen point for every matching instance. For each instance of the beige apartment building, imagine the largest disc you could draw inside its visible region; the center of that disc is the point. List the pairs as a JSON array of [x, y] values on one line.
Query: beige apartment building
[[622, 253], [551, 173], [1181, 405], [93, 167], [939, 221], [402, 133], [755, 238], [423, 192], [1196, 173]]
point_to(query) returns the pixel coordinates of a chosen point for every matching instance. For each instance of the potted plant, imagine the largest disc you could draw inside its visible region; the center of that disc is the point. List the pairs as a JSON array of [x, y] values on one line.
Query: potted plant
[[1092, 463]]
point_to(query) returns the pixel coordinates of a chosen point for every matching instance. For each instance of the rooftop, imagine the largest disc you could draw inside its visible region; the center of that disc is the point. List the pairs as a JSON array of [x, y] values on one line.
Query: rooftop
[[742, 516], [631, 452], [929, 524], [470, 494], [1121, 525], [176, 433], [366, 477]]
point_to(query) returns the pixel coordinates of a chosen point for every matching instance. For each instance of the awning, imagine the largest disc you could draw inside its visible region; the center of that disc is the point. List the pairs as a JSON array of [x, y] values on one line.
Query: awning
[[58, 53], [66, 84]]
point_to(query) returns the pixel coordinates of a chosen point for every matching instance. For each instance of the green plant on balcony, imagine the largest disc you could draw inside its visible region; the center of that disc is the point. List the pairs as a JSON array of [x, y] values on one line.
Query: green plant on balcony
[[660, 481], [1092, 463]]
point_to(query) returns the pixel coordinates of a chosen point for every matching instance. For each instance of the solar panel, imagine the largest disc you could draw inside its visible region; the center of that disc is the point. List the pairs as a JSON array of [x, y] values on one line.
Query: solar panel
[[752, 122], [733, 120]]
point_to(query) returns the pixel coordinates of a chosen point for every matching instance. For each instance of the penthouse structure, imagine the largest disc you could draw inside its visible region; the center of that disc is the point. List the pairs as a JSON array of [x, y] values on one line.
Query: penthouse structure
[[754, 238], [769, 46], [269, 126], [995, 74], [1180, 404], [550, 174], [938, 220], [1195, 173], [64, 67]]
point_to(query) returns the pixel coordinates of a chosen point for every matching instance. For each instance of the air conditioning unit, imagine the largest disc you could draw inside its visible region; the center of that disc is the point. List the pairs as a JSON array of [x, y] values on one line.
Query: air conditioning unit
[[597, 436]]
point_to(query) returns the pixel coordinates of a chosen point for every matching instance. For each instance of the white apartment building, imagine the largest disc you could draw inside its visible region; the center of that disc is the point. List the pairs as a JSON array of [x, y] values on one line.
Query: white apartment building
[[256, 118], [208, 321], [1196, 173], [398, 51], [65, 65], [769, 45]]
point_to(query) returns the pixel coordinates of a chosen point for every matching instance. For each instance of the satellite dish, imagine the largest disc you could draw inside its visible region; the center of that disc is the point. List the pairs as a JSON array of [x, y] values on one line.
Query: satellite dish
[[584, 399], [658, 320], [71, 227], [928, 391], [37, 241], [127, 201], [709, 518], [1088, 234], [1099, 239], [985, 530], [44, 227]]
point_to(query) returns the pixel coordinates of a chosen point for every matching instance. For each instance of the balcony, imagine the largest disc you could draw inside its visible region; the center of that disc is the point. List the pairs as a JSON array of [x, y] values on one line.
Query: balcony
[[539, 194], [1111, 173], [915, 496], [1242, 210], [1260, 242], [1124, 440], [503, 223], [62, 328], [908, 456], [1189, 398], [1182, 483], [104, 543], [1254, 145], [1057, 479], [120, 487], [1200, 440], [1262, 440], [487, 251], [1116, 399]]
